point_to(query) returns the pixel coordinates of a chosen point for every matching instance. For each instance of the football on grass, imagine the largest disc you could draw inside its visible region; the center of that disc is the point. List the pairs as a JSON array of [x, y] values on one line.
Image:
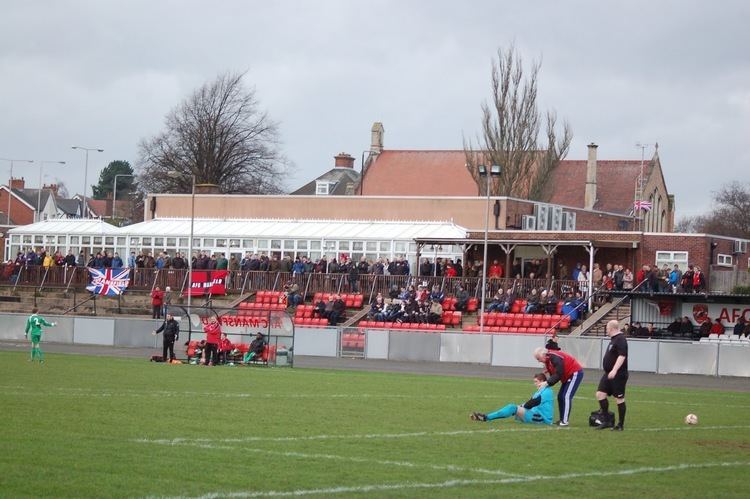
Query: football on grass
[[691, 419]]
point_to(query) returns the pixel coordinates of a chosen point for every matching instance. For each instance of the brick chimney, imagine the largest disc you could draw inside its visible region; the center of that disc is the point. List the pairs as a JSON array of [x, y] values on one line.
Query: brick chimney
[[590, 194], [17, 183], [50, 187], [343, 160], [376, 140]]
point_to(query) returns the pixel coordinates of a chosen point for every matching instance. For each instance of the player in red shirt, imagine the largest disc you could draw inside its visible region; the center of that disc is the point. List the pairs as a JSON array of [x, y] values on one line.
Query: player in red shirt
[[565, 368]]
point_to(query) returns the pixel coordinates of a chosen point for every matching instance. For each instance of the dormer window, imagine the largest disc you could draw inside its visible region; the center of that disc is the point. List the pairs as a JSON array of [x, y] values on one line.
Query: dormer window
[[322, 187]]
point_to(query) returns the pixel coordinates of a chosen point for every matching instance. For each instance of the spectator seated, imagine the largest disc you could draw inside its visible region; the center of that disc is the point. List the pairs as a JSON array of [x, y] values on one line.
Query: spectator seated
[[351, 300], [415, 326]]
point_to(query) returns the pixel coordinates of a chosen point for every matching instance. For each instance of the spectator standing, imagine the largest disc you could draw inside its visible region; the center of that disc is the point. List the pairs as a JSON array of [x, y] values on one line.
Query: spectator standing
[[213, 339], [167, 300], [157, 301], [675, 278]]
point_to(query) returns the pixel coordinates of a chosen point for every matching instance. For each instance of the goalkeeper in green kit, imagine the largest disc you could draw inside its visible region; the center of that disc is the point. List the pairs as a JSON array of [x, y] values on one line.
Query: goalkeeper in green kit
[[34, 324]]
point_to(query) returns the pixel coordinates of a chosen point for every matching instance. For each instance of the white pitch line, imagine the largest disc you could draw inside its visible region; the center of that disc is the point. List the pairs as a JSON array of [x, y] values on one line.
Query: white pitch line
[[465, 483], [419, 434], [334, 457]]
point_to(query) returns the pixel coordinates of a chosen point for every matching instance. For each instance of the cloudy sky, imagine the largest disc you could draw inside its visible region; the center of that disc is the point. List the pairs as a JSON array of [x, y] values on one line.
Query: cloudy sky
[[104, 74]]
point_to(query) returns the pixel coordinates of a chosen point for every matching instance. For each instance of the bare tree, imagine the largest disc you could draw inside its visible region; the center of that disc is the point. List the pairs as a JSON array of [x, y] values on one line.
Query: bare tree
[[220, 135], [511, 124], [729, 216]]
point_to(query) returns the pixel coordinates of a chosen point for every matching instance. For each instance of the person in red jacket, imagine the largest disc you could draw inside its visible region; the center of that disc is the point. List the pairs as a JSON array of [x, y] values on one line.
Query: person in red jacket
[[562, 367], [213, 338], [495, 271], [157, 300], [717, 327], [225, 347]]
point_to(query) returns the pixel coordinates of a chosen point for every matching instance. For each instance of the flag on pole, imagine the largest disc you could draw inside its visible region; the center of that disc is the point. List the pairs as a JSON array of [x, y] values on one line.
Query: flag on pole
[[643, 205], [109, 282]]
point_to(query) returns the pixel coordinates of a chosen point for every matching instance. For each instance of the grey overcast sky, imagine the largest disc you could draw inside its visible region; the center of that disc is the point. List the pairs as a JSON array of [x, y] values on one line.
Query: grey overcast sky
[[105, 73]]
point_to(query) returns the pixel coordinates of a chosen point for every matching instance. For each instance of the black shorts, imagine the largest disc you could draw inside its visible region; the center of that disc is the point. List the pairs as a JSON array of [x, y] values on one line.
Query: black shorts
[[614, 387]]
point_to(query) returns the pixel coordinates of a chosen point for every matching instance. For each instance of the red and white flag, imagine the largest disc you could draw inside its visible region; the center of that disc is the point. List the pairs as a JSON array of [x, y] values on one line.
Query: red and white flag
[[642, 205], [208, 282]]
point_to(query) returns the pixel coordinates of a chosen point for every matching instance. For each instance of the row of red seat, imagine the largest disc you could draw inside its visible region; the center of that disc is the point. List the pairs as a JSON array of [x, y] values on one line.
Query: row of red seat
[[451, 318], [262, 306], [402, 325], [304, 311], [352, 300], [449, 303], [353, 341], [269, 297], [526, 320], [520, 305], [310, 322], [506, 329]]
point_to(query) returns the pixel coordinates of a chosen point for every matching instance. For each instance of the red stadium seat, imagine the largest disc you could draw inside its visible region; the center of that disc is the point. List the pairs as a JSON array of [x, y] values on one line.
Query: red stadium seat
[[473, 305]]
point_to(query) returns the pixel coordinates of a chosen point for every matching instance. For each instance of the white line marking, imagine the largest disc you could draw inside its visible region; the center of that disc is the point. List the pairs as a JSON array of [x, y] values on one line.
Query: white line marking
[[419, 434], [405, 464], [465, 483]]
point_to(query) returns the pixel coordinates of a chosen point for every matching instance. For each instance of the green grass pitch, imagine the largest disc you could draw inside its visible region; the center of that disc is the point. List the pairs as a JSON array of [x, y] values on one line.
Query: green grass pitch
[[82, 426]]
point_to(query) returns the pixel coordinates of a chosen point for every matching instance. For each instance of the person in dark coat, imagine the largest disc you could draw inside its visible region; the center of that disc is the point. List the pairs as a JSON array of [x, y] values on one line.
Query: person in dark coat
[[171, 330]]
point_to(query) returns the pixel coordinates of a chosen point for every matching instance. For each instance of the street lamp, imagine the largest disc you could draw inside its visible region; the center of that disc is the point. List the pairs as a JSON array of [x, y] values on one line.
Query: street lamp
[[176, 174], [10, 190], [114, 192], [493, 172], [85, 175], [39, 194]]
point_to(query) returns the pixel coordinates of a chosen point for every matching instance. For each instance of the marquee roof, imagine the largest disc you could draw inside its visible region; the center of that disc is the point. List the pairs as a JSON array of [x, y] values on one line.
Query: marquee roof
[[61, 226], [295, 229]]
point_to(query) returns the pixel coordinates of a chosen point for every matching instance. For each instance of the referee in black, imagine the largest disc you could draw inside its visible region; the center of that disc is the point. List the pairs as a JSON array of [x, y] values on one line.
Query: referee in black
[[615, 377], [171, 329]]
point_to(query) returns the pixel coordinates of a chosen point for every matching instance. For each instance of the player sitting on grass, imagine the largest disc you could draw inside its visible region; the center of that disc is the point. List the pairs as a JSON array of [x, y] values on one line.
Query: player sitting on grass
[[538, 409]]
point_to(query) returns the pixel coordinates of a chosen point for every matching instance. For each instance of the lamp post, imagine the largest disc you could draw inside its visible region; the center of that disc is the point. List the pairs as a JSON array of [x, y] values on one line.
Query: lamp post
[[494, 171], [114, 192], [10, 181], [176, 174], [85, 175], [39, 194]]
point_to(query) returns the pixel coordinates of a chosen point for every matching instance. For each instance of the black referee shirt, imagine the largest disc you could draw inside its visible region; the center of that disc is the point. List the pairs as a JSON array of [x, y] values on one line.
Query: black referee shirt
[[618, 345]]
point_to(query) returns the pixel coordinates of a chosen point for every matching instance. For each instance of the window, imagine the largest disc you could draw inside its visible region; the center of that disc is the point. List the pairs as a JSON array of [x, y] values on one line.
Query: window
[[183, 242], [724, 260], [262, 244], [38, 240], [385, 246], [27, 239], [358, 246], [15, 239], [208, 243], [288, 244], [97, 240], [171, 242], [672, 258], [221, 243], [234, 243], [315, 245], [109, 240], [400, 247], [302, 245], [275, 243], [86, 240], [147, 241], [159, 241], [248, 243], [322, 187], [134, 241], [121, 241], [344, 245]]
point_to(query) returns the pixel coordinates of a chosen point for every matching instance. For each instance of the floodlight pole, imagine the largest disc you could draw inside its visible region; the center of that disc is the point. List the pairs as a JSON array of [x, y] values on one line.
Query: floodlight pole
[[494, 171]]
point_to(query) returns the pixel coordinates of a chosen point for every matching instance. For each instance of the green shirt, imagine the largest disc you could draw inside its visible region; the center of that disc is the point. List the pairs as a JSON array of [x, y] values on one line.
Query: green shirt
[[34, 324]]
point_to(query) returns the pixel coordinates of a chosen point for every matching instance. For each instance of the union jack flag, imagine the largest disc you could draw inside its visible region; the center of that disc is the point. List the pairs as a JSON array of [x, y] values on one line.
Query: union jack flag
[[109, 282], [642, 205]]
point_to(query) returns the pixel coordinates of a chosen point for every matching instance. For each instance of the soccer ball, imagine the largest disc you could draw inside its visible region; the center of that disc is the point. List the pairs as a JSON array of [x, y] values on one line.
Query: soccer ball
[[691, 419]]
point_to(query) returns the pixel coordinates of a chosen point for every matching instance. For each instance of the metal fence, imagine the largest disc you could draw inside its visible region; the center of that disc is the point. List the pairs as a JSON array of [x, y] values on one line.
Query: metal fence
[[237, 282]]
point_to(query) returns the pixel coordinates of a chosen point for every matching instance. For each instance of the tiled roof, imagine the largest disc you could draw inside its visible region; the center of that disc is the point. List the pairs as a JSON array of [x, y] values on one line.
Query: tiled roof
[[419, 173], [340, 178], [443, 173], [69, 206], [615, 184]]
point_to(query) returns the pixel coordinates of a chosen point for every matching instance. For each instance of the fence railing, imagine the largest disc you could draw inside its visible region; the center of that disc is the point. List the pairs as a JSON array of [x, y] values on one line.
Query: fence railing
[[145, 279]]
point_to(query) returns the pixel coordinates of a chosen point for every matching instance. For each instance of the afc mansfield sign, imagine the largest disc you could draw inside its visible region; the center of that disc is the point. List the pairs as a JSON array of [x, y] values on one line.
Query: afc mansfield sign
[[727, 313]]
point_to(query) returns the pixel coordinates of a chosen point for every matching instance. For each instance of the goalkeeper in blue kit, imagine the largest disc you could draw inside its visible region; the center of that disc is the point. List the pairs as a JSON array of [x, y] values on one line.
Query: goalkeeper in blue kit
[[34, 325], [539, 409]]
